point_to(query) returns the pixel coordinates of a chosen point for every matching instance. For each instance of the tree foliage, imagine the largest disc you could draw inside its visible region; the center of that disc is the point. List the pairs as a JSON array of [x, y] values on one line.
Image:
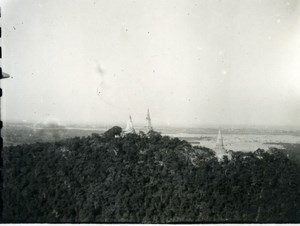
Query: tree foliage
[[145, 178]]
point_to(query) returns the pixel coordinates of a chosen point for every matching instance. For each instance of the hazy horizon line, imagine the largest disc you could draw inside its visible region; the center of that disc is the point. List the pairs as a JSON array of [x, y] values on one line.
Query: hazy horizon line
[[160, 125]]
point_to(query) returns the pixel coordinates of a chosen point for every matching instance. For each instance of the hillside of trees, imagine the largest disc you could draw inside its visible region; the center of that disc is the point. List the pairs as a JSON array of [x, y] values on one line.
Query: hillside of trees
[[146, 178]]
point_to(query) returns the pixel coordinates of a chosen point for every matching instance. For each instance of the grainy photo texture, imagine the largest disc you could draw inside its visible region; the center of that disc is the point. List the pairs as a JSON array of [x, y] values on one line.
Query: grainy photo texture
[[150, 111]]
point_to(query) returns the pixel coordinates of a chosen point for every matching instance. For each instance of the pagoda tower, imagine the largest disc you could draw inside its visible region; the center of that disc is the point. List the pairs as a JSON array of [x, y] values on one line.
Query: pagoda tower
[[149, 126], [219, 148], [129, 127]]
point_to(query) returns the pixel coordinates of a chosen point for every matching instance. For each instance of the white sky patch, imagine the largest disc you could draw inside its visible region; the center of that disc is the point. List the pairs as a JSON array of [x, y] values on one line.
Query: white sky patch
[[151, 54]]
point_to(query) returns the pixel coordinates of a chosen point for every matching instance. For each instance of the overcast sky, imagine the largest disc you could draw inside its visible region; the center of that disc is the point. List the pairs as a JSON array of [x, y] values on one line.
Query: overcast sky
[[192, 62]]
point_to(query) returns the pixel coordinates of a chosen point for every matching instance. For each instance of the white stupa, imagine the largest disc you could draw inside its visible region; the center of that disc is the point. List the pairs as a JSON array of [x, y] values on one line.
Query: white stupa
[[149, 126], [129, 127], [219, 148]]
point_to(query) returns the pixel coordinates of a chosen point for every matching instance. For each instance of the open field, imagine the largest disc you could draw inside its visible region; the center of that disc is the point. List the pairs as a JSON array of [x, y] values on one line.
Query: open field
[[236, 139]]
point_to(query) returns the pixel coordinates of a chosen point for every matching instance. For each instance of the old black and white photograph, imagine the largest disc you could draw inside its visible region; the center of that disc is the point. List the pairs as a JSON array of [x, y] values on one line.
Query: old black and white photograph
[[150, 111]]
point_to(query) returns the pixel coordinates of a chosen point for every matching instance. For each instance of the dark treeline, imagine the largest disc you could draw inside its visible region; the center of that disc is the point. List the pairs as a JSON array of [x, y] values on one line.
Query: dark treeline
[[147, 179]]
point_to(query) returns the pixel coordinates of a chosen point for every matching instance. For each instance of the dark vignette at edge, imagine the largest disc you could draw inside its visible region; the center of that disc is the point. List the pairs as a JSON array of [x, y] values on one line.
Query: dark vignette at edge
[[1, 140]]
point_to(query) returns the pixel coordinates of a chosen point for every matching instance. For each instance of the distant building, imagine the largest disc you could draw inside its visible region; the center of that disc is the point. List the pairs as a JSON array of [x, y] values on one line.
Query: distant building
[[220, 149], [149, 126], [129, 127]]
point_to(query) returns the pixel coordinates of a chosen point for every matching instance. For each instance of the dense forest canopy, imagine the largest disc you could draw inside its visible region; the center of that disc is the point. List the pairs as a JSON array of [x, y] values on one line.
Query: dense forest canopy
[[146, 178]]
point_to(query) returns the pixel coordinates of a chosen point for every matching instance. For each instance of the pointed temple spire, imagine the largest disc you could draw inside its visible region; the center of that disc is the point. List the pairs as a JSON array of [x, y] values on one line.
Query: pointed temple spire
[[149, 126], [220, 144], [219, 148], [129, 127]]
